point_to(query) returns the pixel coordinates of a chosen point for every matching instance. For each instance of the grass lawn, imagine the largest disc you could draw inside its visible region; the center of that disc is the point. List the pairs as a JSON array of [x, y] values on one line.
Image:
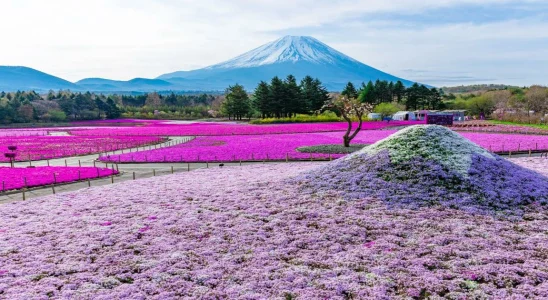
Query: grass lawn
[[541, 126]]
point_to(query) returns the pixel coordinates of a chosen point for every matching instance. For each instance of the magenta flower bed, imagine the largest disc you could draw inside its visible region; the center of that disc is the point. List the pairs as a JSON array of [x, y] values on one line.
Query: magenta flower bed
[[14, 178], [208, 129], [282, 146], [23, 132], [246, 233], [499, 142], [501, 128], [231, 148], [48, 147]]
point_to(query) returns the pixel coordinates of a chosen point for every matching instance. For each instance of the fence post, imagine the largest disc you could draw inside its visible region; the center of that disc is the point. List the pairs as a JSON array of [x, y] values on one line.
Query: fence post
[[89, 183], [207, 164], [54, 178], [79, 177], [171, 169], [3, 186], [25, 178], [53, 189], [133, 175], [48, 162], [66, 163], [153, 172], [79, 163], [529, 152], [188, 167], [24, 197]]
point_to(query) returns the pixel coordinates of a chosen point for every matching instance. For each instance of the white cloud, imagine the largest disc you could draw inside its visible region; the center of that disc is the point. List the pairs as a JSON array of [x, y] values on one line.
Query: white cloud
[[122, 39]]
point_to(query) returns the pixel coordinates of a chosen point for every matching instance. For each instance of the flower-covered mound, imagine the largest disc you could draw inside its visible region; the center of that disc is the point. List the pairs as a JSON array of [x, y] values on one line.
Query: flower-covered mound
[[245, 233], [427, 165]]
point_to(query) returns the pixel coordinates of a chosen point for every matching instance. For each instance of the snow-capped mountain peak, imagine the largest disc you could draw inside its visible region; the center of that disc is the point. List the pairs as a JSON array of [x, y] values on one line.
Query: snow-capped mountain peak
[[287, 49]]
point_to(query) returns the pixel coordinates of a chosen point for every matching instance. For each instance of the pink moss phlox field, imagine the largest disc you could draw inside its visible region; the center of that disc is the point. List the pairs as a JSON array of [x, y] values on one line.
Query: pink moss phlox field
[[22, 132], [14, 178], [244, 233], [48, 147], [207, 129], [501, 128], [277, 146], [244, 147]]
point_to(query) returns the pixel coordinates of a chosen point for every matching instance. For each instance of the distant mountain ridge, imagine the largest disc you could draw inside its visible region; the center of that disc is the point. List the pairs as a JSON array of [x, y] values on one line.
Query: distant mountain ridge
[[13, 78], [296, 55]]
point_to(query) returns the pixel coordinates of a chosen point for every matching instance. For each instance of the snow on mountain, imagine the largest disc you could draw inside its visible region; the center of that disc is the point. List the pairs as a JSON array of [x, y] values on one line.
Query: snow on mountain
[[287, 49]]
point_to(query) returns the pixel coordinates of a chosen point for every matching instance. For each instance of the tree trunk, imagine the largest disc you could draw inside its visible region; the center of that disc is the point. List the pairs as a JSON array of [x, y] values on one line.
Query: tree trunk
[[346, 137], [346, 141]]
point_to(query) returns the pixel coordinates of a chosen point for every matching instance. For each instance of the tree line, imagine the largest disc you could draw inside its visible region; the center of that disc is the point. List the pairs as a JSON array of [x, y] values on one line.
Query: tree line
[[522, 105], [30, 107], [413, 98], [276, 99]]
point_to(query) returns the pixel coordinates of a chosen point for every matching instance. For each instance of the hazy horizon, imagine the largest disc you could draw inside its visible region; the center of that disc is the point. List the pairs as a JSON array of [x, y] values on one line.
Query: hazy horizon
[[436, 42]]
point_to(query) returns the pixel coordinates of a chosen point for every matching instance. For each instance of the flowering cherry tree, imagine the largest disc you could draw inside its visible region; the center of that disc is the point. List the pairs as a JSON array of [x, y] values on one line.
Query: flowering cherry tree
[[349, 108]]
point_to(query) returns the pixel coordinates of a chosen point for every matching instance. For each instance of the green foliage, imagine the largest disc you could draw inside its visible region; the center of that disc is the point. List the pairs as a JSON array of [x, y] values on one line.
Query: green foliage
[[350, 91], [387, 109], [57, 115], [415, 97], [480, 106], [541, 126], [286, 98], [237, 103], [25, 107], [332, 149], [300, 118]]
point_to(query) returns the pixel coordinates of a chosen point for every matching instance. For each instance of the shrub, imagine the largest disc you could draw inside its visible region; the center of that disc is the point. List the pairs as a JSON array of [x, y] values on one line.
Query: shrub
[[324, 117], [331, 149]]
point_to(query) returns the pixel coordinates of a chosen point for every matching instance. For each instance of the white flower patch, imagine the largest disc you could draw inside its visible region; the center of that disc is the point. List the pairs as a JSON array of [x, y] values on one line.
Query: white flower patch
[[431, 142]]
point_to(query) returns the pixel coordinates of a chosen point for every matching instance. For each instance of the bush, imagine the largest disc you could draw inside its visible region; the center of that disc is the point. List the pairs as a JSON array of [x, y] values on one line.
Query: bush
[[324, 117], [332, 149]]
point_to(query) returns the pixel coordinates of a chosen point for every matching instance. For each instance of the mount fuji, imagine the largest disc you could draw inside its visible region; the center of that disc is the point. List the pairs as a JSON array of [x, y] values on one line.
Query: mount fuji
[[296, 55]]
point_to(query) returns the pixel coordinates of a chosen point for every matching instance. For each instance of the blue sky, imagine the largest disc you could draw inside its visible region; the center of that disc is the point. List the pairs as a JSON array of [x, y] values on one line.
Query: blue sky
[[443, 42]]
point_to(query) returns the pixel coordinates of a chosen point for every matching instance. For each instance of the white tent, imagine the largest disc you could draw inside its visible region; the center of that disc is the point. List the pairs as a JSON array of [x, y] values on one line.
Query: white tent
[[404, 116], [374, 116]]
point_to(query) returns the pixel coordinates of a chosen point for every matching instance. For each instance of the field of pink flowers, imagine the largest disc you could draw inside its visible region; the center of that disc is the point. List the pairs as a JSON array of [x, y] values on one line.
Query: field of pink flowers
[[283, 146], [501, 128], [18, 178], [23, 132], [48, 147], [245, 233], [209, 129]]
